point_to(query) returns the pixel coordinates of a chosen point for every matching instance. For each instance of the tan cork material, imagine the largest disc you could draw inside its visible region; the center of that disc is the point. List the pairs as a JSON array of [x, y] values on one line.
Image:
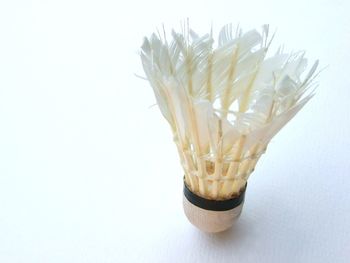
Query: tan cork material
[[208, 220]]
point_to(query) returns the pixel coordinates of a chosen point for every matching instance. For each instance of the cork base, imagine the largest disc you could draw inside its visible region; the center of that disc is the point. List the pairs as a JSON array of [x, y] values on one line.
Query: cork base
[[208, 220]]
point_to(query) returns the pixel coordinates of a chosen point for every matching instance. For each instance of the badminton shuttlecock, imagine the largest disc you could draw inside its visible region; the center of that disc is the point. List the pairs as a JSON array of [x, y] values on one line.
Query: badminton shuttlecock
[[224, 102]]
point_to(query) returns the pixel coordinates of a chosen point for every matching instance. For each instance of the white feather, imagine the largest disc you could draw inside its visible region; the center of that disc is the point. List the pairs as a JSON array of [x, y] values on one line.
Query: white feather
[[224, 102]]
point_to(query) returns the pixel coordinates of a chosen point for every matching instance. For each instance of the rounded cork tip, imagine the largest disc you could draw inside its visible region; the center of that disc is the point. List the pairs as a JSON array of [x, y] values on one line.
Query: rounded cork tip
[[209, 215]]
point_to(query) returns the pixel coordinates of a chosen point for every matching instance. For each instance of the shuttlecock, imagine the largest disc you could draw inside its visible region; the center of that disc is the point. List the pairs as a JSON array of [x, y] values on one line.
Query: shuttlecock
[[224, 103]]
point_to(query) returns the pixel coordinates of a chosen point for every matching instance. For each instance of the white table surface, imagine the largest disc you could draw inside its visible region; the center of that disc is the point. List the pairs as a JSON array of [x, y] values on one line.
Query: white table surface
[[89, 173]]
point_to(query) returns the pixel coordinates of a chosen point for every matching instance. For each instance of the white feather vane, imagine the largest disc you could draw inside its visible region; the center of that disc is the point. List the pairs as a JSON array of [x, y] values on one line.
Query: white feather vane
[[224, 102]]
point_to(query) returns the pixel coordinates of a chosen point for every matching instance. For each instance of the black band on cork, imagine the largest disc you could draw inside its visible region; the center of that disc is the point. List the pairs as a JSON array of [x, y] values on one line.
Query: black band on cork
[[214, 205]]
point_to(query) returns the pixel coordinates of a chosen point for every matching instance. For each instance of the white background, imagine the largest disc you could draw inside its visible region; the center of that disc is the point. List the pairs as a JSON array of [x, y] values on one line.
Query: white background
[[89, 173]]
